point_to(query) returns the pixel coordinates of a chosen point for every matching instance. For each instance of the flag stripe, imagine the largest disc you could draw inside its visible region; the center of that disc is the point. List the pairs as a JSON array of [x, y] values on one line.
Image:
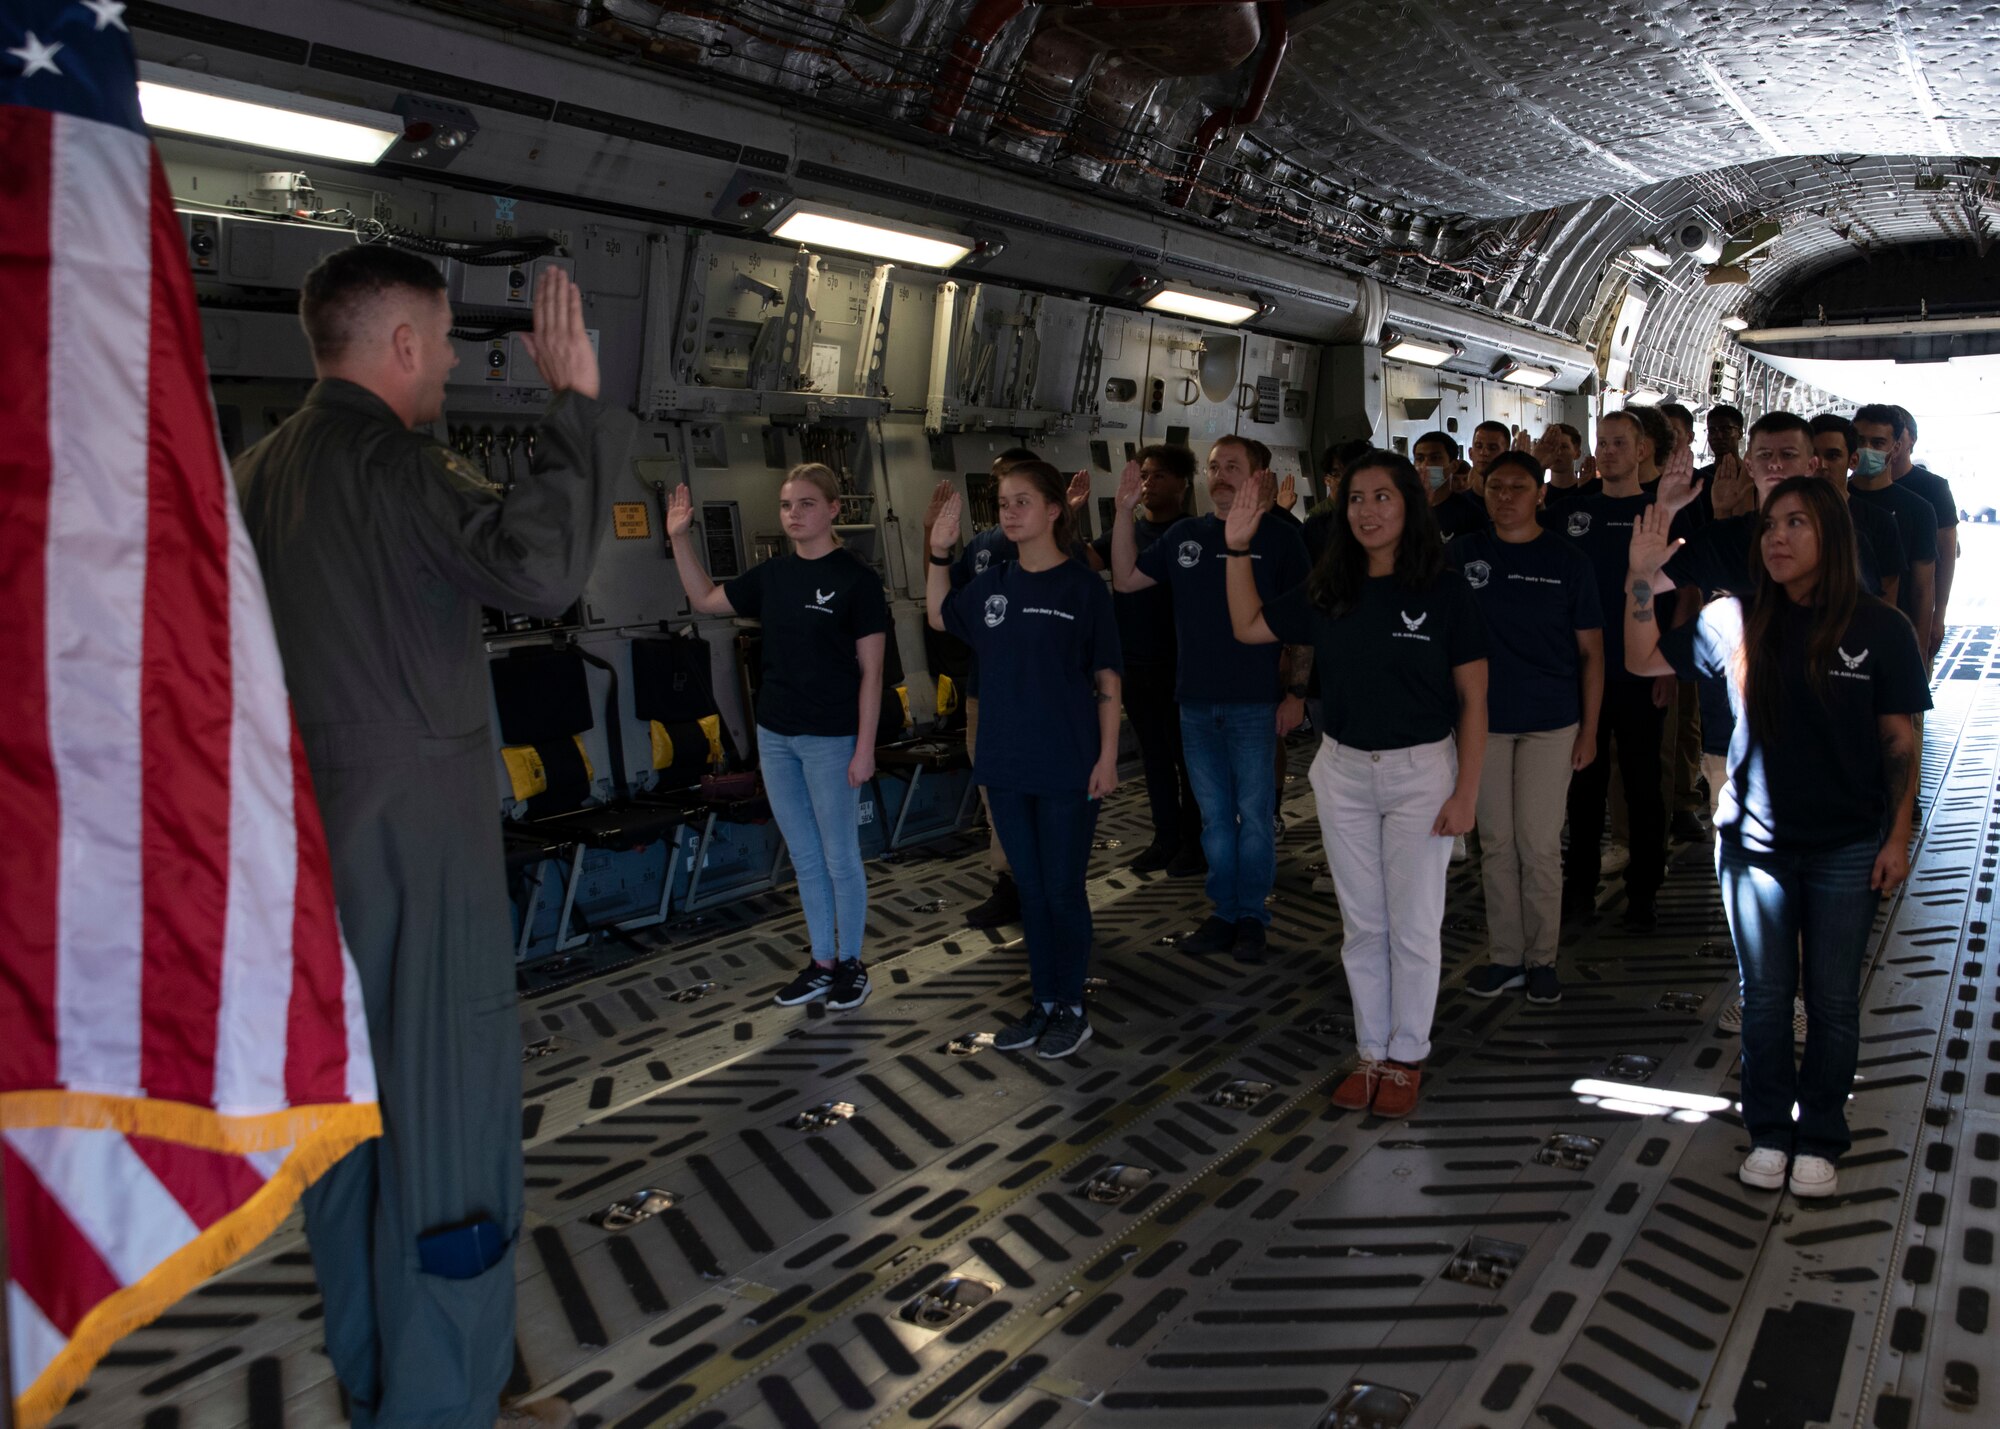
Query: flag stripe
[[186, 698], [318, 1065], [205, 1184], [97, 424], [52, 1261], [27, 765], [36, 1341], [107, 1193]]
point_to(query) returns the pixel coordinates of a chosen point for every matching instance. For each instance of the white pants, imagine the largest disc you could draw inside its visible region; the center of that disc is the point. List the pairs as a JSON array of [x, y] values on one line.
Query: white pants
[[1375, 813]]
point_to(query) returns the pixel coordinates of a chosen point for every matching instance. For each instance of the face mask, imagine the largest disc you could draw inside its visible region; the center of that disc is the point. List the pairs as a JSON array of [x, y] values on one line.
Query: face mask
[[1869, 462], [1436, 476]]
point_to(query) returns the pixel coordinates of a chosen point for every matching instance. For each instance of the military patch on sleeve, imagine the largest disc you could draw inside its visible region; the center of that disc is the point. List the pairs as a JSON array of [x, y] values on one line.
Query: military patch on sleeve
[[461, 470]]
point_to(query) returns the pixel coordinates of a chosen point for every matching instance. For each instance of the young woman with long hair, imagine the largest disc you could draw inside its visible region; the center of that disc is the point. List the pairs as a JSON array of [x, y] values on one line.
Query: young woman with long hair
[[826, 623], [1047, 641], [1814, 821], [1401, 657]]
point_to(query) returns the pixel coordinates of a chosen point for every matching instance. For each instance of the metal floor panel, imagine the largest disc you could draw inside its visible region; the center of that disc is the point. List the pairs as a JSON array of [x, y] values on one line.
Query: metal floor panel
[[1280, 1252]]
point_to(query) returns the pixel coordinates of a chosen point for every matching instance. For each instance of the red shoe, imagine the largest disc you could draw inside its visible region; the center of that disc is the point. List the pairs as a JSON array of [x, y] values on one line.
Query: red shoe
[[1357, 1089], [1397, 1094]]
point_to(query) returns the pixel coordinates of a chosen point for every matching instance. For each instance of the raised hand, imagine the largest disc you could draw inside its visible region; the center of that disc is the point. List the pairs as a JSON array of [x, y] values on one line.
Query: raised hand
[[559, 346], [1079, 490], [1544, 448], [1522, 443], [944, 531], [1735, 492], [680, 512], [1247, 512], [939, 494], [1130, 486], [1677, 484], [1587, 472], [1288, 491], [1652, 547]]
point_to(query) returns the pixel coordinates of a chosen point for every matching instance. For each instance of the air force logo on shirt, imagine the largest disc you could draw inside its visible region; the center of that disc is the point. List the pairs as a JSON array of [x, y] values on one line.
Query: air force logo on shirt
[[1579, 523], [1853, 664], [823, 600], [1412, 625], [1477, 574], [996, 608], [980, 561], [1189, 554]]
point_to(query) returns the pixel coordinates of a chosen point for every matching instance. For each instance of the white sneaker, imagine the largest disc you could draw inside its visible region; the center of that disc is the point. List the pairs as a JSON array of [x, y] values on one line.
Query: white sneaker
[[1764, 1168], [1616, 857], [1813, 1176], [551, 1413], [1799, 1025], [1732, 1017], [1459, 852]]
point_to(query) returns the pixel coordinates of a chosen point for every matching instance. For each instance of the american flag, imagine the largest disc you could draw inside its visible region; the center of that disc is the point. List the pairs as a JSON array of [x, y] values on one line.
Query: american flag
[[182, 1045]]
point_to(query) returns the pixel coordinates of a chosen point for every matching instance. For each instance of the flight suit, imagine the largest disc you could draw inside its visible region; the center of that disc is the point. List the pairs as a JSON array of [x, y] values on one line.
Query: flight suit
[[378, 547]]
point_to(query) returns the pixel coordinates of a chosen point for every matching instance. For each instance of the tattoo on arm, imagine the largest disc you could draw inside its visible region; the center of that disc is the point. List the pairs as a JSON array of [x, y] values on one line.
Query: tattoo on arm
[[1642, 602]]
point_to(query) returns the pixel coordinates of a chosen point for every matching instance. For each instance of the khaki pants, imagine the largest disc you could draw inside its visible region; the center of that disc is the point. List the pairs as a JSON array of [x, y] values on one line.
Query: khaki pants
[[1523, 795], [994, 855]]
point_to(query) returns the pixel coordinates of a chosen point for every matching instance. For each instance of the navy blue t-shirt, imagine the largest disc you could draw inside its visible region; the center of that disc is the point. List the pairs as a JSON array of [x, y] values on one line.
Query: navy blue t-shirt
[[1460, 513], [1935, 490], [1145, 617], [1600, 526], [1535, 595], [1819, 786], [984, 551], [812, 612], [1385, 667], [1916, 524], [1216, 667], [1042, 636]]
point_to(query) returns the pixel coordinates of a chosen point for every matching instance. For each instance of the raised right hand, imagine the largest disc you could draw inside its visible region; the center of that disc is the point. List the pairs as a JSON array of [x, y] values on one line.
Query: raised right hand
[[1652, 547], [1130, 486], [938, 494], [680, 512], [1247, 513], [943, 533]]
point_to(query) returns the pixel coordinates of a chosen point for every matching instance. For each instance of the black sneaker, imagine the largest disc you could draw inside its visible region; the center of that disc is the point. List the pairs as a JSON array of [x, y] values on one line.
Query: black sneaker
[[809, 986], [850, 985], [1066, 1032], [1188, 863], [1686, 827], [1215, 935], [1544, 985], [1002, 906], [1155, 858], [1250, 939], [1024, 1031], [1641, 914], [1494, 979]]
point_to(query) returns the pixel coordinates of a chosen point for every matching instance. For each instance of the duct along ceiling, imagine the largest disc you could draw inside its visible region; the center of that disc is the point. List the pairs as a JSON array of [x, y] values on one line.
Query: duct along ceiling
[[1506, 156]]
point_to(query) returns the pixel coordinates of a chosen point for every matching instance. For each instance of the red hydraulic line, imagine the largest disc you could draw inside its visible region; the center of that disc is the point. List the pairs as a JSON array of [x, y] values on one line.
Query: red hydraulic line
[[1276, 37], [989, 17]]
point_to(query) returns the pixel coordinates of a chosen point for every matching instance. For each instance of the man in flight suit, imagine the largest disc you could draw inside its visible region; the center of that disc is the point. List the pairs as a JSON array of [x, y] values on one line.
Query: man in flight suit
[[379, 546]]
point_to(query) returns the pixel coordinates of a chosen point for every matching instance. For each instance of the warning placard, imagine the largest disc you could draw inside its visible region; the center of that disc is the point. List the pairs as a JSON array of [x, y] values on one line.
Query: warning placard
[[629, 520]]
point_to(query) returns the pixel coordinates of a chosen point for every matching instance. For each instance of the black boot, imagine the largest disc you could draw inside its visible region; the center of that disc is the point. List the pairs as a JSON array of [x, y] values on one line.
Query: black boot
[[1155, 858], [1004, 906]]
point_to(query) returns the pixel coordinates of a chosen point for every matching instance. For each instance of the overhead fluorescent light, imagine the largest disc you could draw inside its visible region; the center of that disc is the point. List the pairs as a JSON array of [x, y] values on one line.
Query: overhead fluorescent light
[[1651, 254], [1645, 397], [1208, 307], [183, 102], [1736, 322], [1526, 374], [1430, 354], [814, 225]]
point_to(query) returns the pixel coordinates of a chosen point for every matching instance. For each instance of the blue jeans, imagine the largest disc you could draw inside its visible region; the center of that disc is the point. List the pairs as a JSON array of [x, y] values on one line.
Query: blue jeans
[[1793, 913], [805, 779], [1231, 751], [1047, 841]]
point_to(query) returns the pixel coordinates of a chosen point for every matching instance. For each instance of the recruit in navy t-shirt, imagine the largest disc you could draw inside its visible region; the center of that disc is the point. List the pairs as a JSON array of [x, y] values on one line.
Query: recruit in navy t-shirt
[[1216, 667], [1145, 617], [1041, 637], [1385, 666], [813, 612], [1535, 596], [1817, 783]]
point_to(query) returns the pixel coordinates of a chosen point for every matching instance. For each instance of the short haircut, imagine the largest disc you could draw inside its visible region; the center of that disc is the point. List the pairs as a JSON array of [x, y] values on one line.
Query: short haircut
[[1014, 454], [1630, 417], [346, 281], [1259, 454], [1909, 422], [1780, 422], [1881, 414], [1441, 437], [1654, 425], [1675, 412], [1511, 458], [1833, 422], [1174, 460], [1572, 433], [1506, 432], [1723, 409]]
